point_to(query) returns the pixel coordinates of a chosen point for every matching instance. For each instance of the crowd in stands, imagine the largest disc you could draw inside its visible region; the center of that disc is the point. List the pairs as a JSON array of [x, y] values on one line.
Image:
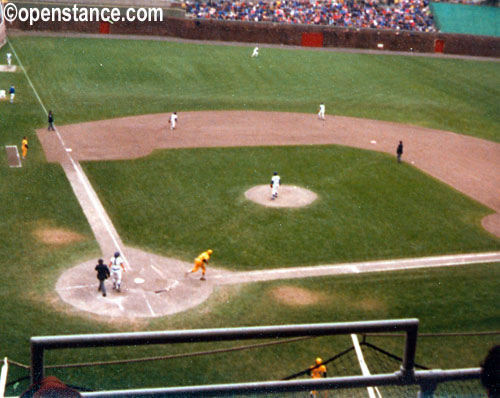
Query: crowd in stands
[[411, 15]]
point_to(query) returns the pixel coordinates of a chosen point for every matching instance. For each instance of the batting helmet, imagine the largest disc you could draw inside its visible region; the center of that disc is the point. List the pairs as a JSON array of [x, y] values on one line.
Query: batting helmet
[[117, 254], [319, 361], [210, 251]]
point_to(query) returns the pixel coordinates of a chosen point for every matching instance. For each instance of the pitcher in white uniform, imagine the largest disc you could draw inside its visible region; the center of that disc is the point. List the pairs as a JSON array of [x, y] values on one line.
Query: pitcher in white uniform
[[275, 183]]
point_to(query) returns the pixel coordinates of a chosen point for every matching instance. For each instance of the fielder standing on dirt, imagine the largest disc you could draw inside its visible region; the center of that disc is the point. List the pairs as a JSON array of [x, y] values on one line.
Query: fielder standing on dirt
[[117, 268], [321, 113], [399, 151], [173, 120], [275, 183], [200, 262]]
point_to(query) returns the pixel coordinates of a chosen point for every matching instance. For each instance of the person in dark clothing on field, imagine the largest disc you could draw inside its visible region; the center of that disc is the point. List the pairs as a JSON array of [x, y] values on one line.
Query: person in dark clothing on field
[[102, 274], [399, 151], [51, 121]]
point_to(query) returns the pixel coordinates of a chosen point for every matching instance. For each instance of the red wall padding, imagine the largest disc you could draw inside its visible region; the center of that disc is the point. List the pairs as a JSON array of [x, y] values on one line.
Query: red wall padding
[[312, 39]]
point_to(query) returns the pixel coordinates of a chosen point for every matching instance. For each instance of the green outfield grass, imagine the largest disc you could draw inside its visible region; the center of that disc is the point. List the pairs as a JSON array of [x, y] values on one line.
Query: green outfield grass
[[369, 207], [140, 77]]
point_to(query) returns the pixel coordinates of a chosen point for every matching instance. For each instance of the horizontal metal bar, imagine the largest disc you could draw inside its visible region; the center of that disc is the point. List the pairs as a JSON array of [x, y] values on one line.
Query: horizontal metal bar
[[253, 388], [451, 334], [425, 376], [224, 334], [439, 375]]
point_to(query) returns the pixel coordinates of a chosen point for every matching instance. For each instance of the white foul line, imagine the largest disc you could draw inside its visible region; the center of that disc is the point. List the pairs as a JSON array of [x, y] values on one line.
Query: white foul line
[[90, 192], [362, 267], [364, 368]]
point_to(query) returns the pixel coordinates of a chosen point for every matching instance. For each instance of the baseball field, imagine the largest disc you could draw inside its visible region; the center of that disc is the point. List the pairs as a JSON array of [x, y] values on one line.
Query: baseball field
[[176, 201]]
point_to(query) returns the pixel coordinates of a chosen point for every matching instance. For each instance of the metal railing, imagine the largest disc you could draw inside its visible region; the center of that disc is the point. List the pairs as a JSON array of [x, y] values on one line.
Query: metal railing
[[428, 380]]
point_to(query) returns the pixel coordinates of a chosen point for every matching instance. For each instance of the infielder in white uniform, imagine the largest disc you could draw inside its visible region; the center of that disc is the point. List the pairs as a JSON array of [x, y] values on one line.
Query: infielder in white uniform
[[173, 120], [9, 59], [275, 183], [321, 113], [255, 52], [116, 267]]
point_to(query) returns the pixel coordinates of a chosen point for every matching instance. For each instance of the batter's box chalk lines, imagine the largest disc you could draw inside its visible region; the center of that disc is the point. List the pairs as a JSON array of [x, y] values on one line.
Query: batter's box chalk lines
[[76, 287], [148, 304]]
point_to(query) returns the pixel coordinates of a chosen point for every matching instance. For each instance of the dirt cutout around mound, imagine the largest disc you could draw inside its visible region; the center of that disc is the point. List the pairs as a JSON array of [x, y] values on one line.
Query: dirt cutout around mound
[[295, 296], [288, 196], [57, 236]]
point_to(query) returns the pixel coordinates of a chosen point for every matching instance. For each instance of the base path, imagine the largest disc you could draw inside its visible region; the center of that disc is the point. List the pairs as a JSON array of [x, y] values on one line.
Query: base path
[[468, 164]]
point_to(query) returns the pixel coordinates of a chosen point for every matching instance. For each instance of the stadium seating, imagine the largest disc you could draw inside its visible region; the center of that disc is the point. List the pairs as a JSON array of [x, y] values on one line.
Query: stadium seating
[[413, 15]]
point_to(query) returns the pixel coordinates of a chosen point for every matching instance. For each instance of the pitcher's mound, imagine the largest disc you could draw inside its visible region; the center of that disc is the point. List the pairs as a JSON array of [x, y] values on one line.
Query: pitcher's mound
[[288, 196]]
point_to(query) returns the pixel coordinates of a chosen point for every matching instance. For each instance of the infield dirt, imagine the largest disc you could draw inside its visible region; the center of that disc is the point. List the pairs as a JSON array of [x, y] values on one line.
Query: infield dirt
[[468, 164]]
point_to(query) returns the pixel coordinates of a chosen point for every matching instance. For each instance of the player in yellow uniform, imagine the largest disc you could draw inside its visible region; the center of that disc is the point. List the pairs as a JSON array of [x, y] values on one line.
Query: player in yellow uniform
[[24, 147], [200, 262], [317, 371]]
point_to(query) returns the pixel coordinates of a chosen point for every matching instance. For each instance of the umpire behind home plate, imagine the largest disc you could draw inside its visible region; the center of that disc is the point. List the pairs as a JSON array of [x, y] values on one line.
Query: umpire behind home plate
[[102, 274]]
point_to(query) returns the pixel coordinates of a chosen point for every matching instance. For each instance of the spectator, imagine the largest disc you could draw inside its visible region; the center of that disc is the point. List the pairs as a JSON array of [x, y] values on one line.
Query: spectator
[[403, 15], [50, 387], [490, 372]]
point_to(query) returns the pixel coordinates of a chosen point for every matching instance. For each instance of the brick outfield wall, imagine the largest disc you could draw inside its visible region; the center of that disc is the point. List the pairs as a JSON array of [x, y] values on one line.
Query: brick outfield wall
[[252, 32], [3, 33]]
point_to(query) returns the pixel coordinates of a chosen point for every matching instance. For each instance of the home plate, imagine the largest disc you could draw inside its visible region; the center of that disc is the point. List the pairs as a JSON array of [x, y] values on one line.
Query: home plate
[[139, 280], [373, 142], [69, 150]]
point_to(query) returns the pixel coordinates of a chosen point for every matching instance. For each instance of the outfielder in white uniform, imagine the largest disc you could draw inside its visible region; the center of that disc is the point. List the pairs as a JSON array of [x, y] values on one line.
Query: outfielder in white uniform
[[275, 183], [9, 59], [173, 120], [321, 113], [116, 268], [255, 52]]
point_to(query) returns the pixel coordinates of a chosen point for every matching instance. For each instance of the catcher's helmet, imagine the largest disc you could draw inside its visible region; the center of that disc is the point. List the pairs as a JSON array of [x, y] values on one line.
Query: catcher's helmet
[[319, 361], [210, 251], [117, 254]]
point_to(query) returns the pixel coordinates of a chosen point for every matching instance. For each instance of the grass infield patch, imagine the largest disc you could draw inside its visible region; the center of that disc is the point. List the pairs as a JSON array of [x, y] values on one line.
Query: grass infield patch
[[178, 202]]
